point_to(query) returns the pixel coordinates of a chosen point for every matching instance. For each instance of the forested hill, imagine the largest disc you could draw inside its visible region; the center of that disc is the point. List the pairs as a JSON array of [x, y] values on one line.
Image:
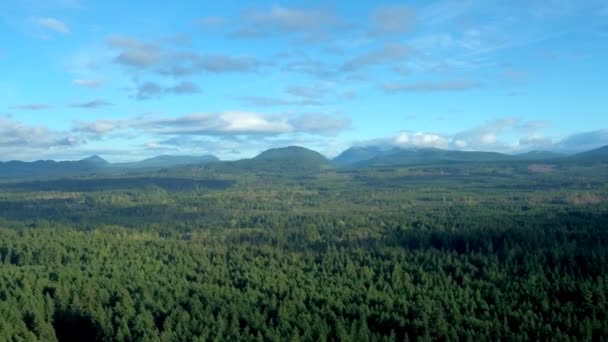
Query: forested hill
[[165, 161], [433, 155], [600, 154], [94, 165], [378, 156], [50, 168], [287, 161]]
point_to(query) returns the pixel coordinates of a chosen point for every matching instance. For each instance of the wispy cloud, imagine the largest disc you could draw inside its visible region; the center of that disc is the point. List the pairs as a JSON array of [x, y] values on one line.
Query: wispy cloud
[[94, 104], [32, 106], [390, 53], [230, 124], [184, 87], [243, 123], [23, 141], [164, 60], [88, 83], [52, 24], [310, 24], [306, 92], [392, 19], [507, 135], [97, 127], [260, 101], [441, 86], [212, 21], [135, 53], [151, 90]]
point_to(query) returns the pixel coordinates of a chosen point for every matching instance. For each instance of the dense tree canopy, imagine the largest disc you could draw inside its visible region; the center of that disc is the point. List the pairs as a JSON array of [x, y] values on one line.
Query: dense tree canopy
[[417, 253]]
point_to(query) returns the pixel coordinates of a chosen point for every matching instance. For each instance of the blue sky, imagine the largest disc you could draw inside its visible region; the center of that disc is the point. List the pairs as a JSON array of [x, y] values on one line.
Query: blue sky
[[233, 78]]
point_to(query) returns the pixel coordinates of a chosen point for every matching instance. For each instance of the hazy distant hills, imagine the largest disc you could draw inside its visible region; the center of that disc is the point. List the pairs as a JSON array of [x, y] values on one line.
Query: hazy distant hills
[[539, 155], [412, 156], [42, 168], [376, 156], [165, 161], [92, 165], [356, 155], [289, 160]]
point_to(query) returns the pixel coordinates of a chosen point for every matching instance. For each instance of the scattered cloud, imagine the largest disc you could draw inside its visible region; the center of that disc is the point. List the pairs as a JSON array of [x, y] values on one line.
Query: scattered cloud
[[88, 83], [321, 124], [97, 127], [444, 11], [51, 24], [231, 124], [219, 63], [260, 101], [212, 21], [162, 59], [184, 87], [134, 52], [300, 96], [393, 52], [310, 24], [430, 86], [309, 66], [94, 104], [392, 19], [23, 141], [506, 135], [32, 106], [401, 70], [420, 139], [486, 136], [227, 123], [150, 90], [306, 92], [349, 95]]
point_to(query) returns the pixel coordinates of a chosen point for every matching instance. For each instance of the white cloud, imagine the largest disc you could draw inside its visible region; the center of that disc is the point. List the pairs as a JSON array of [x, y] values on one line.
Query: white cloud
[[245, 122], [23, 141], [507, 135], [97, 127], [420, 139]]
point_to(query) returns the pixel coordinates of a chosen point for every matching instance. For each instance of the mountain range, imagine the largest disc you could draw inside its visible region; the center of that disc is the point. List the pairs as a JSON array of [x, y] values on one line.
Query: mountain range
[[292, 159], [377, 156]]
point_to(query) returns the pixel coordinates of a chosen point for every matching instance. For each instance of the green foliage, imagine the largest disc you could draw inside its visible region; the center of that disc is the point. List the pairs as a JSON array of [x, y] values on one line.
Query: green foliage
[[438, 252]]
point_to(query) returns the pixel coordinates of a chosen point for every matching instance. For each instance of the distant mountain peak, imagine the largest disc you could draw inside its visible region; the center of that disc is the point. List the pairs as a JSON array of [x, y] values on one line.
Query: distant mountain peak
[[289, 152], [285, 159], [95, 159]]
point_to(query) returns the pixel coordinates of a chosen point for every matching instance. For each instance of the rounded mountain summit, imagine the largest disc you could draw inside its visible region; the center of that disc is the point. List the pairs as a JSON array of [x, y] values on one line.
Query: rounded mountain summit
[[286, 159]]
